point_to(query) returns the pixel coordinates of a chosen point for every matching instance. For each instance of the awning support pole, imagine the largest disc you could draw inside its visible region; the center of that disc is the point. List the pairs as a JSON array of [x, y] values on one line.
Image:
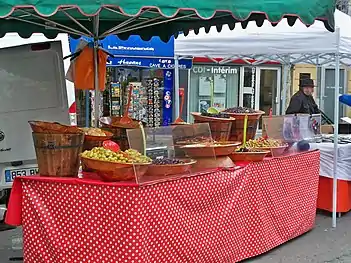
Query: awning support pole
[[336, 123], [96, 72], [176, 87]]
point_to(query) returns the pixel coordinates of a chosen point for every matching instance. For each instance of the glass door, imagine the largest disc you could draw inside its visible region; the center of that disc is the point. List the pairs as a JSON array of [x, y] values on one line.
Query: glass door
[[247, 87], [268, 89], [327, 101]]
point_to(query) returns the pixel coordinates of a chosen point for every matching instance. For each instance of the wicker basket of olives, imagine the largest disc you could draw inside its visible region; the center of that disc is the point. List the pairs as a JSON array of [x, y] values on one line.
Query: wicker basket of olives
[[116, 166], [168, 166]]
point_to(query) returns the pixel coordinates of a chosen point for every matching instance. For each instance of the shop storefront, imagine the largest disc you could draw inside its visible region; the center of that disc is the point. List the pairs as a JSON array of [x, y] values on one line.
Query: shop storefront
[[232, 85], [148, 67]]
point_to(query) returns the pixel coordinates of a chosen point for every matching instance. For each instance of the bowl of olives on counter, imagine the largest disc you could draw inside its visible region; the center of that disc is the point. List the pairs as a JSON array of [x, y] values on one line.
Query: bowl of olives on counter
[[115, 166], [169, 166], [244, 154]]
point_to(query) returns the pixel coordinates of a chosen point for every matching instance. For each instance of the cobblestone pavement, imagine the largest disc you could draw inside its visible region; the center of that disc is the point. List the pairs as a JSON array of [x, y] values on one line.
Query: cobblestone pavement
[[321, 245]]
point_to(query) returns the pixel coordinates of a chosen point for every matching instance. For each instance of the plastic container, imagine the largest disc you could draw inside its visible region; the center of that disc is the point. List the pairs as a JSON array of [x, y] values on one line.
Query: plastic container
[[58, 154]]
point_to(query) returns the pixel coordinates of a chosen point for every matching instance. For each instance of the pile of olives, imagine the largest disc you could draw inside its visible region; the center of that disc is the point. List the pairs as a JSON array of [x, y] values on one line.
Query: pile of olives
[[216, 115], [246, 150], [263, 143], [129, 156], [240, 110], [167, 161]]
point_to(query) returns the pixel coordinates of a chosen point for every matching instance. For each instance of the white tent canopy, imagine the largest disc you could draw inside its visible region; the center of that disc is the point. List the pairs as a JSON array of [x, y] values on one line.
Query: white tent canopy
[[282, 43], [313, 45]]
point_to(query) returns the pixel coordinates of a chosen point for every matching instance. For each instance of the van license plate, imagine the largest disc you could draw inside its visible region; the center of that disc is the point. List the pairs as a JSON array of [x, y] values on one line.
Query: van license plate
[[10, 175]]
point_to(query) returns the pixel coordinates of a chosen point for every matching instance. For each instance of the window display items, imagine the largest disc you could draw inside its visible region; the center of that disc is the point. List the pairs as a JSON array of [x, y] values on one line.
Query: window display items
[[116, 99], [208, 83], [220, 83], [154, 106], [205, 86], [137, 110], [204, 105], [219, 103]]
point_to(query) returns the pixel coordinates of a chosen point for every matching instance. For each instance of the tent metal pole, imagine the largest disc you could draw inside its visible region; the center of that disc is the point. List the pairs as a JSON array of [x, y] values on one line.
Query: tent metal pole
[[286, 72], [96, 72], [176, 86], [336, 123], [87, 108]]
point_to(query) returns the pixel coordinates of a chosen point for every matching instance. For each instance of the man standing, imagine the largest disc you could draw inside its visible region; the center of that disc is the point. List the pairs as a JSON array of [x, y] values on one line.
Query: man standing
[[302, 101]]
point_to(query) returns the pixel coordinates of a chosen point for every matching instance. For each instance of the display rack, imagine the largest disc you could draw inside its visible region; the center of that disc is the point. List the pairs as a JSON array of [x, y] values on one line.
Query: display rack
[[154, 87], [116, 99]]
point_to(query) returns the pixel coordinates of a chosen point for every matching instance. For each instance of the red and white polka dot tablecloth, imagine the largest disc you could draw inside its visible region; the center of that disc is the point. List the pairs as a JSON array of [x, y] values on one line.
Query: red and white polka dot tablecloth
[[225, 216]]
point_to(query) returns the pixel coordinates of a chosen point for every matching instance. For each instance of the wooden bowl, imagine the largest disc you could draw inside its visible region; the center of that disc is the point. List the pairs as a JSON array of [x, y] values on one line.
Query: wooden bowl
[[170, 169], [108, 136], [273, 151], [115, 122], [210, 150], [248, 156], [241, 116], [112, 171], [198, 117]]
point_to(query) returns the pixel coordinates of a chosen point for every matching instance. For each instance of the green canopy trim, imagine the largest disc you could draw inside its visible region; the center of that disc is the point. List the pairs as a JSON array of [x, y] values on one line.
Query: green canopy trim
[[149, 18]]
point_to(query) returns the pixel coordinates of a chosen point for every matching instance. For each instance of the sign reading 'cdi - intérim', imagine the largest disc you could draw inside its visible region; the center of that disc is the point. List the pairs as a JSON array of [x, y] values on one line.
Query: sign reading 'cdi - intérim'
[[214, 70]]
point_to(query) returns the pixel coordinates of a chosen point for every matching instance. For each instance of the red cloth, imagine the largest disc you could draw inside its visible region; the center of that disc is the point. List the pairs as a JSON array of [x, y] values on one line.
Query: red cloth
[[225, 216]]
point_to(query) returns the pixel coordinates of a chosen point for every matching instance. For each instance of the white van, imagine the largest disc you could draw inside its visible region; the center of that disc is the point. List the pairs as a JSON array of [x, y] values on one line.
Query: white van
[[32, 87]]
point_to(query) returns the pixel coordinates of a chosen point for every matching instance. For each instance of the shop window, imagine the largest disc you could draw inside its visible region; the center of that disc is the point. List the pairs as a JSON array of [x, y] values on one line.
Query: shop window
[[216, 86]]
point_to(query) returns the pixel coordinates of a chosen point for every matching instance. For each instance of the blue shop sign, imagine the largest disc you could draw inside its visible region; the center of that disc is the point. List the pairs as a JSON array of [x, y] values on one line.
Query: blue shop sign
[[154, 63], [135, 52], [134, 46]]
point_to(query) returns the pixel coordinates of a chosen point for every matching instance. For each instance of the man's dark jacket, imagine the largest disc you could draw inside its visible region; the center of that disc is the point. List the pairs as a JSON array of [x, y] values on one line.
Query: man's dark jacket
[[303, 104]]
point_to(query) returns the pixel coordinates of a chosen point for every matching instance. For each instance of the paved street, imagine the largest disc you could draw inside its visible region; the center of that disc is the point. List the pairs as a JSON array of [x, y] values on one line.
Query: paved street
[[322, 245]]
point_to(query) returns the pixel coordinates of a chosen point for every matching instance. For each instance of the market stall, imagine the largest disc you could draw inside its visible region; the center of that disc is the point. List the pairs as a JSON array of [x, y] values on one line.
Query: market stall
[[137, 200], [313, 45], [58, 147], [222, 216]]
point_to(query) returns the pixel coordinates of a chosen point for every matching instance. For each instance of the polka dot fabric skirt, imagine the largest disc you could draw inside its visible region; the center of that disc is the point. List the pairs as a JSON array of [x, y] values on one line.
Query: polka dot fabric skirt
[[226, 216]]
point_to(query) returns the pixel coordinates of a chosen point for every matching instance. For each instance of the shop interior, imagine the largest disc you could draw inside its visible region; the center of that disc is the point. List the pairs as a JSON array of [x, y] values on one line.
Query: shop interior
[[146, 100], [252, 87]]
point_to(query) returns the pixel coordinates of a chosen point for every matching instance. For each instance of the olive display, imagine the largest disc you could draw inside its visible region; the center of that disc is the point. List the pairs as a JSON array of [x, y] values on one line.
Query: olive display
[[129, 156], [263, 143], [167, 161], [246, 150], [216, 115], [239, 110]]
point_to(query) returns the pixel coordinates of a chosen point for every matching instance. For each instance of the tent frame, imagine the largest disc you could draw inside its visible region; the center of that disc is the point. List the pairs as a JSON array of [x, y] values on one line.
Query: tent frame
[[95, 34], [287, 60]]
